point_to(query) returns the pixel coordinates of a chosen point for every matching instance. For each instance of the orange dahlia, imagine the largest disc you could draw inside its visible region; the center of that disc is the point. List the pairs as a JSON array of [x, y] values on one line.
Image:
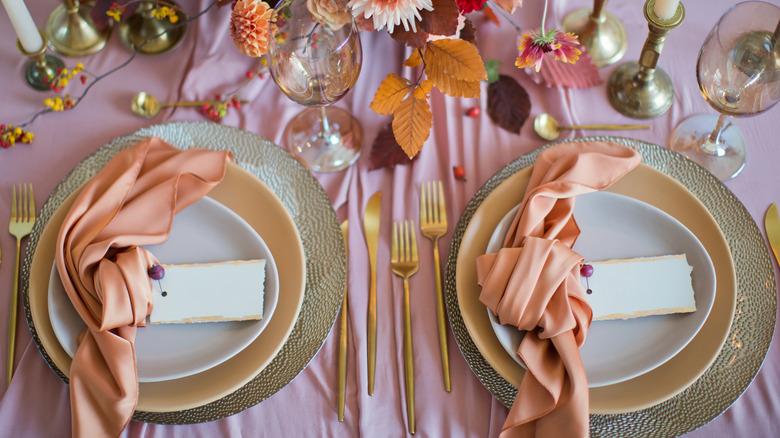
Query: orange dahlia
[[250, 25]]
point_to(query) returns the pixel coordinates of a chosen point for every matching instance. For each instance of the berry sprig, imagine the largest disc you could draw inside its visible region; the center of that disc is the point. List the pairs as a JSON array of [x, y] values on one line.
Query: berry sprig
[[171, 13], [217, 111], [63, 76], [168, 10], [59, 103], [10, 135]]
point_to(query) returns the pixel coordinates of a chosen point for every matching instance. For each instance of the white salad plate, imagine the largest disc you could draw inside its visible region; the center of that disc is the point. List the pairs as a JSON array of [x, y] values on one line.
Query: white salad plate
[[614, 226], [204, 232]]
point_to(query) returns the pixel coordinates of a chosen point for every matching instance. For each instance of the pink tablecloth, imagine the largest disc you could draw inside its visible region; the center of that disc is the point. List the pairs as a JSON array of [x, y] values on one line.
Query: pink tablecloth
[[36, 402]]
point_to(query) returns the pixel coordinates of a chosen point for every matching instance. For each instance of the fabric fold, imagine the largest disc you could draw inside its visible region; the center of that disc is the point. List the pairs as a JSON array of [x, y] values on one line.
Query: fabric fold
[[533, 283], [103, 268]]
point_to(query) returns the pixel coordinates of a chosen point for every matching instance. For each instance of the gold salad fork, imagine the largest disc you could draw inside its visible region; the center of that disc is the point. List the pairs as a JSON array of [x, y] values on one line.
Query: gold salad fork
[[405, 263], [433, 224], [22, 220]]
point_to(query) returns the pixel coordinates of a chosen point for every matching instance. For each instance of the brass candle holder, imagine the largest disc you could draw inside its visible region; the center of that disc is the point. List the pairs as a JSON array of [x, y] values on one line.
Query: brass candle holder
[[72, 30], [600, 32], [639, 89], [149, 35], [42, 66]]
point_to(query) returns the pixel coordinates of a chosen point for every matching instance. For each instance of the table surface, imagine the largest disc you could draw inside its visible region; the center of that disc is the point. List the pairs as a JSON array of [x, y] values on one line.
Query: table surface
[[206, 63]]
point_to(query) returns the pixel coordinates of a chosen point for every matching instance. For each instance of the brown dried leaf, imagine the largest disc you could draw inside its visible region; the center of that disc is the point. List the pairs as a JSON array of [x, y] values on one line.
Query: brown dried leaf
[[412, 123], [447, 59], [415, 40], [385, 151], [468, 33], [442, 20], [508, 103], [390, 94]]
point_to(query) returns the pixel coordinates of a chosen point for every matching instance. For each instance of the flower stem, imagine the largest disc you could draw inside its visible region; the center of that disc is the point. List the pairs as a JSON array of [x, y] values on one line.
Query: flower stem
[[544, 17], [506, 15]]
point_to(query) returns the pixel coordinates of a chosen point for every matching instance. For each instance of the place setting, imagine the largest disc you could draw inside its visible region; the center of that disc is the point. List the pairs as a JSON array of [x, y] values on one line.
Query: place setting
[[193, 372]]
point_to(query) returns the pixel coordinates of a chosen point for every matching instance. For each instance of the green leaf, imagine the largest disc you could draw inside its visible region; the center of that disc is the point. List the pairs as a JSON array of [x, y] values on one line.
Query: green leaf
[[491, 66]]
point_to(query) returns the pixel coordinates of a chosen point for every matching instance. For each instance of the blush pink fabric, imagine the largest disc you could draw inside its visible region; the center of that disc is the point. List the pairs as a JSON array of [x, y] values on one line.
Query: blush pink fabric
[[130, 202], [533, 283]]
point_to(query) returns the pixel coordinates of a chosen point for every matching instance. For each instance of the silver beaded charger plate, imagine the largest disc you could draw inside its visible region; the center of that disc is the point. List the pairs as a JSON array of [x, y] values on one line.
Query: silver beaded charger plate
[[259, 166], [737, 345]]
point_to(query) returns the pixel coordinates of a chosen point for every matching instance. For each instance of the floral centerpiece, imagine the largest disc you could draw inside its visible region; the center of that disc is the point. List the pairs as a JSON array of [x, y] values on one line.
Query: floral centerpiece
[[444, 50]]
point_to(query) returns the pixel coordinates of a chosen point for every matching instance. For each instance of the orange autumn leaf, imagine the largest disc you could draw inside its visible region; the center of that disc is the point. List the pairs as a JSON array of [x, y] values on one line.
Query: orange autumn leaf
[[423, 90], [412, 123], [459, 88], [491, 15], [414, 59], [390, 94], [455, 59]]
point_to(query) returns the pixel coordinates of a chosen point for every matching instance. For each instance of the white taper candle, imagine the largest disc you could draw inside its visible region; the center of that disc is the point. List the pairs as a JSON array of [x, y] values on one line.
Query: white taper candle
[[24, 25], [664, 9]]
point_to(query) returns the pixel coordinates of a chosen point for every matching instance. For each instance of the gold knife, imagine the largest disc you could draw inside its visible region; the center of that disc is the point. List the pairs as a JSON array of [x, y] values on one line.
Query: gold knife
[[343, 334], [772, 224], [371, 228]]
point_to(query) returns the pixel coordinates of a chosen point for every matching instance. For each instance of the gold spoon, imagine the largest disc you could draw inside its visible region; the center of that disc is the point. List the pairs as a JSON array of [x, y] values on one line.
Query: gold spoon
[[147, 106], [547, 127]]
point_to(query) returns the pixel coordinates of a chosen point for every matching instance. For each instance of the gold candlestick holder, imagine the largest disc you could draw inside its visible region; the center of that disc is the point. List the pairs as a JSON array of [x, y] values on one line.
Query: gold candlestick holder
[[149, 35], [600, 32], [42, 66], [639, 89], [72, 30]]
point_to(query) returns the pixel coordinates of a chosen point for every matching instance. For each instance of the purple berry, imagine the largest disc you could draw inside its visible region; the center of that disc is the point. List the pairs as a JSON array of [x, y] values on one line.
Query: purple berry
[[157, 272], [586, 271]]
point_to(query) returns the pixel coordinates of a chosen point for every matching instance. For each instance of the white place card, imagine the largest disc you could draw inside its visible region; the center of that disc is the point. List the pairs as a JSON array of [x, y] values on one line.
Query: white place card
[[209, 292], [631, 288]]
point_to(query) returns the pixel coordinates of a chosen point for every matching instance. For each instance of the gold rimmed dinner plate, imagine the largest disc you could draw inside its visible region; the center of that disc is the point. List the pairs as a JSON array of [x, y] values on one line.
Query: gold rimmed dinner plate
[[649, 402], [311, 279]]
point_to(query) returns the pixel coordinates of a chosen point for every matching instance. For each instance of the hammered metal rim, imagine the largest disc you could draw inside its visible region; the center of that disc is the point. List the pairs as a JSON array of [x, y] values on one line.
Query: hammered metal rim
[[313, 215], [737, 363]]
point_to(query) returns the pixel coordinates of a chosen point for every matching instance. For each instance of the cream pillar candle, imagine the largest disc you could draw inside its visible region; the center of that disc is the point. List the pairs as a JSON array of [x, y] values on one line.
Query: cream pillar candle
[[24, 25], [665, 9]]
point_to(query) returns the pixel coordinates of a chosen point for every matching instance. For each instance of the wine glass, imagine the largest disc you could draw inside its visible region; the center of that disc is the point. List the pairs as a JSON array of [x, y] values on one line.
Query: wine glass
[[315, 57], [738, 71]]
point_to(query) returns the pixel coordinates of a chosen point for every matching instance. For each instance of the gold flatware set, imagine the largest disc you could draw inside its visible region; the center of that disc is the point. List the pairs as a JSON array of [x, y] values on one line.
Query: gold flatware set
[[404, 262]]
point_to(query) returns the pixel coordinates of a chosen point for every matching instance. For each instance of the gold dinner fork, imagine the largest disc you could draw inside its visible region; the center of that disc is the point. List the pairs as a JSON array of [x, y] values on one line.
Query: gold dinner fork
[[433, 224], [405, 263], [22, 220]]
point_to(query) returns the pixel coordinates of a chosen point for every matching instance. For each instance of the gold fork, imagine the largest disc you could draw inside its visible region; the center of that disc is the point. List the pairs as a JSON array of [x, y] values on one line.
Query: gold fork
[[405, 263], [433, 224], [22, 220]]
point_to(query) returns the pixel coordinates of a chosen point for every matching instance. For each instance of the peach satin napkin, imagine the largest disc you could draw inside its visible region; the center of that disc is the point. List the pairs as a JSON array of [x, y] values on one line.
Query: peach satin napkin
[[130, 202], [533, 283]]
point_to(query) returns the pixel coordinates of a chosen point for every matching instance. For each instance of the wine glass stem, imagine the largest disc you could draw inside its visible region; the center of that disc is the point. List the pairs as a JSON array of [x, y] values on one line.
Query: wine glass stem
[[325, 123], [712, 143]]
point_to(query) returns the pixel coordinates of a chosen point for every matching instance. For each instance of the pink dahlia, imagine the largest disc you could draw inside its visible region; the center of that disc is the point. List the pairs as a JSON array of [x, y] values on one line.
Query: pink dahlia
[[250, 24]]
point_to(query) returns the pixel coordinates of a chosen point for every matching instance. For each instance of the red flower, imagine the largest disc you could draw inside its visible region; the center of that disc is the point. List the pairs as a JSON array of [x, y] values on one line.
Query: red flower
[[466, 6], [534, 46]]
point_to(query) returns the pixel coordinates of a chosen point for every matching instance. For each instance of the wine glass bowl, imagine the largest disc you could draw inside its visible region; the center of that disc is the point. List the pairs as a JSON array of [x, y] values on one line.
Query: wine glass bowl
[[315, 60], [738, 72]]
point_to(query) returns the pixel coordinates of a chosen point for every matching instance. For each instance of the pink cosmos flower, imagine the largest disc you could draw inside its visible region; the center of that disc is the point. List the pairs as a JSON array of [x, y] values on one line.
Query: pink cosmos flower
[[533, 47]]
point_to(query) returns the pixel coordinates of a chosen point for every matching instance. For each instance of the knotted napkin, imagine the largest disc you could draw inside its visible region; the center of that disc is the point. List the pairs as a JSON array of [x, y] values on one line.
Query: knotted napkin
[[130, 202], [533, 283]]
